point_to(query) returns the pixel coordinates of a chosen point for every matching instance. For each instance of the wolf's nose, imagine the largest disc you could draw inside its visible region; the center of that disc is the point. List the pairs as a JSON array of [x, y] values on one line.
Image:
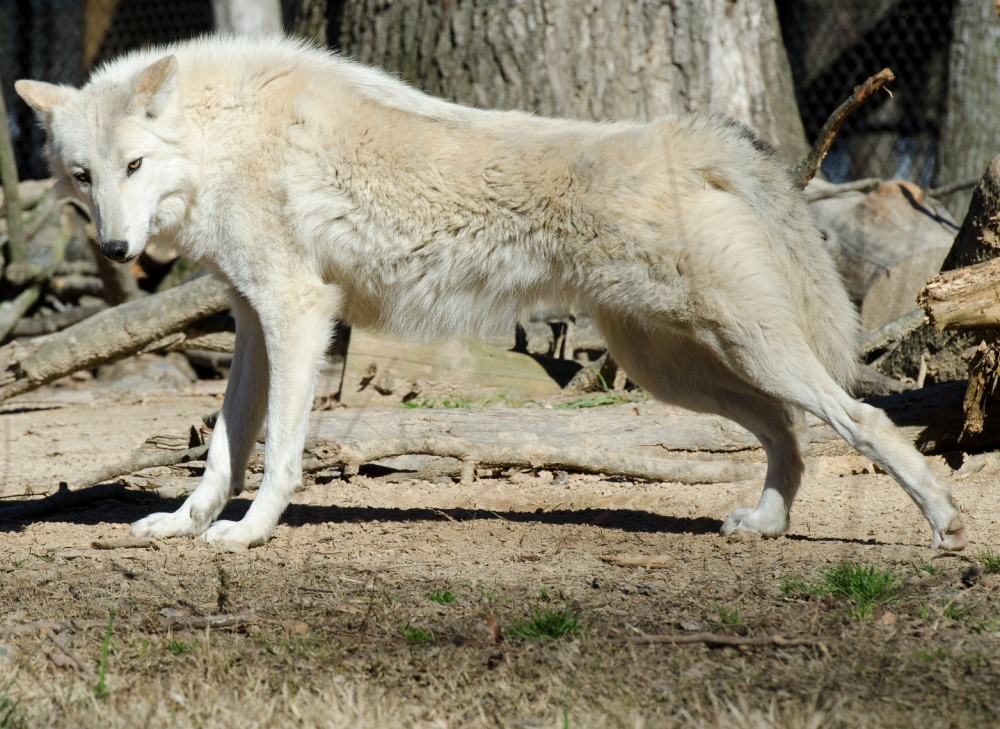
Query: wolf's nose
[[114, 250]]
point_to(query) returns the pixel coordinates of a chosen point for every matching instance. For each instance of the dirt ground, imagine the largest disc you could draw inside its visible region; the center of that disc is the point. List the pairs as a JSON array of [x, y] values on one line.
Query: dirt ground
[[343, 633]]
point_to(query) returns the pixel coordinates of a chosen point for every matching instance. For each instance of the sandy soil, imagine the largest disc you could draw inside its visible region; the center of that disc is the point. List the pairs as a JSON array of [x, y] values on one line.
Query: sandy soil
[[337, 593]]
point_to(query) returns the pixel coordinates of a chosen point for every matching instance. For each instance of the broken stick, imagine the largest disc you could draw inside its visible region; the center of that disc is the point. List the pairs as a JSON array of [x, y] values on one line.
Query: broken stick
[[806, 169]]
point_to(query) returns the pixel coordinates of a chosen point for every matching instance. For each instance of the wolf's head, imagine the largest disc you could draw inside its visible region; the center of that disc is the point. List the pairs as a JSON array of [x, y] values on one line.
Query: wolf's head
[[114, 144]]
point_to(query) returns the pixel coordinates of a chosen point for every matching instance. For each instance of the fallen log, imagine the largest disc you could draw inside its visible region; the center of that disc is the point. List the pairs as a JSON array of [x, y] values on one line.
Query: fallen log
[[144, 325], [886, 245], [965, 298]]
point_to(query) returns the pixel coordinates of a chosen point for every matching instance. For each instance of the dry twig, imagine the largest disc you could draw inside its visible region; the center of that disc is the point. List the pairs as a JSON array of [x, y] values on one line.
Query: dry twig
[[714, 639], [806, 169]]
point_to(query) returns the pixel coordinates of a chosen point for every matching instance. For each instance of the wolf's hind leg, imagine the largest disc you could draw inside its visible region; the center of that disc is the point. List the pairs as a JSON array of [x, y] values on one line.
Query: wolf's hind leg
[[870, 431], [793, 373], [296, 323], [781, 429], [232, 438], [676, 369]]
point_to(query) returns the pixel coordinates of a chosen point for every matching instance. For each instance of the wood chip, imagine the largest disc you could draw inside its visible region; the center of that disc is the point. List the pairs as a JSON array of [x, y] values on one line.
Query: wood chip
[[653, 561]]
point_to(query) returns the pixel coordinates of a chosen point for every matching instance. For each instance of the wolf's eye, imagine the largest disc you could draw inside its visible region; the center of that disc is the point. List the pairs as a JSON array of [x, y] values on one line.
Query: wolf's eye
[[83, 177], [134, 165]]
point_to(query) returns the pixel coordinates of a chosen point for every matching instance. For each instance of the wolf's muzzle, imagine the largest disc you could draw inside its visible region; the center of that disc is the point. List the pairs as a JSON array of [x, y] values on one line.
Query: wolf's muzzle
[[114, 250]]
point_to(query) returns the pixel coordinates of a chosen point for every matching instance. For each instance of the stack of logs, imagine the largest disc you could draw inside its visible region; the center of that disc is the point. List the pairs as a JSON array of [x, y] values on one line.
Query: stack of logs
[[966, 296]]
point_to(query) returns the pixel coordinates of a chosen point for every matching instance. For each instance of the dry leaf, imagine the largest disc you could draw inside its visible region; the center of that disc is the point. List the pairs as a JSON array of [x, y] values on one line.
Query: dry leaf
[[496, 633], [653, 561]]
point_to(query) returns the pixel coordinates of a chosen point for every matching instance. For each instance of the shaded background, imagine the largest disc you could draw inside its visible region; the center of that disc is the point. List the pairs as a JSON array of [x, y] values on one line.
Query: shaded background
[[832, 46]]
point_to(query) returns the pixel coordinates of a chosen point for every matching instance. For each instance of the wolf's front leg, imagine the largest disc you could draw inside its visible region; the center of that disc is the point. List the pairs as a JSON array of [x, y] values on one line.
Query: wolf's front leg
[[296, 323], [232, 439]]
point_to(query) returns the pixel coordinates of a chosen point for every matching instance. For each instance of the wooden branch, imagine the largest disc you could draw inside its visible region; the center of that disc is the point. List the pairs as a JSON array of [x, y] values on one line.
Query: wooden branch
[[74, 286], [888, 335], [350, 456], [830, 190], [148, 324], [11, 312], [965, 298], [201, 622], [714, 639], [610, 440], [806, 169], [55, 322], [140, 461], [8, 176], [945, 190]]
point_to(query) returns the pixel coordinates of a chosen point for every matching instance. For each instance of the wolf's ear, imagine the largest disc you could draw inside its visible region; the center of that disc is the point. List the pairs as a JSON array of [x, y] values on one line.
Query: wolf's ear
[[43, 97], [154, 85]]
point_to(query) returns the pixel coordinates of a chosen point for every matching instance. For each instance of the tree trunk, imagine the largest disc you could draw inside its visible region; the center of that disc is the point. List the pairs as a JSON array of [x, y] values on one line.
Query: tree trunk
[[250, 17], [971, 133], [979, 238], [610, 60]]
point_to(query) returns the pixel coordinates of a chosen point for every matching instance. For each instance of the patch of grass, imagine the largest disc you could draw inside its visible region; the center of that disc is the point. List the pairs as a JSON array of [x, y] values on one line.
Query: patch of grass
[[101, 689], [727, 616], [544, 595], [923, 613], [10, 713], [416, 636], [546, 625], [592, 402], [179, 648], [955, 612], [991, 562], [794, 587], [442, 597], [864, 586], [930, 656], [930, 569]]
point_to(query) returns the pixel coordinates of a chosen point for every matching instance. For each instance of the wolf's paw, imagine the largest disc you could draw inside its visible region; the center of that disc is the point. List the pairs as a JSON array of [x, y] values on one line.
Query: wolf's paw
[[174, 524], [755, 520], [951, 541], [234, 536]]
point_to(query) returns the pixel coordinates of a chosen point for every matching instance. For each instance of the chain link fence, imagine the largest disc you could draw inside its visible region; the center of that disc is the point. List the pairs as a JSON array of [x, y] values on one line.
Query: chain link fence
[[832, 46]]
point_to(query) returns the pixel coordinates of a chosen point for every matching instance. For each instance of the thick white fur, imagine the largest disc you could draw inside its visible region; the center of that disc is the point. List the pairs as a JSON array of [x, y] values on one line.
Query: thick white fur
[[320, 188]]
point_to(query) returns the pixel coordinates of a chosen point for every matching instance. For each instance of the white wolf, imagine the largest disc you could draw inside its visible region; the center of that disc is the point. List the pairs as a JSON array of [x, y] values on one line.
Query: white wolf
[[319, 188]]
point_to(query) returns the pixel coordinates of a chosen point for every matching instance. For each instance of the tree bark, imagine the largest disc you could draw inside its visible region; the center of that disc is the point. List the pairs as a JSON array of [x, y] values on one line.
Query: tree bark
[[971, 130], [618, 59], [250, 17], [966, 298]]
